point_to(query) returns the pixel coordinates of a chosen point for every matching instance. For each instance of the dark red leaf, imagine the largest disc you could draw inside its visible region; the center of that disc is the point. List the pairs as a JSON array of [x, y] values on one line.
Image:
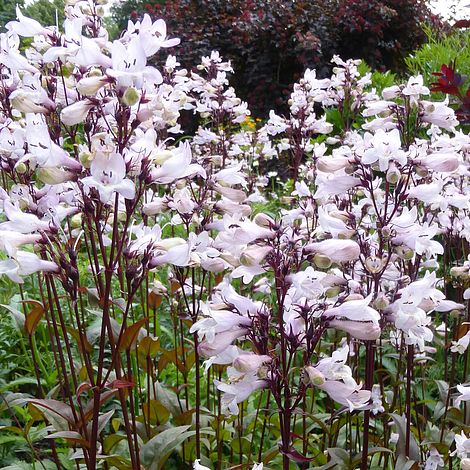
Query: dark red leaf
[[117, 384], [461, 24], [295, 455]]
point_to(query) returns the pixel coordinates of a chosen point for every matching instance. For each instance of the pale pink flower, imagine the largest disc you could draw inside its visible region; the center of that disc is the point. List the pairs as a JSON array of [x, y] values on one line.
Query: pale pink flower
[[338, 251], [108, 176]]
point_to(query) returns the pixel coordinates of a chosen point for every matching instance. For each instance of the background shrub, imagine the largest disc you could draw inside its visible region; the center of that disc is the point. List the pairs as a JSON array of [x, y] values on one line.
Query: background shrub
[[271, 42]]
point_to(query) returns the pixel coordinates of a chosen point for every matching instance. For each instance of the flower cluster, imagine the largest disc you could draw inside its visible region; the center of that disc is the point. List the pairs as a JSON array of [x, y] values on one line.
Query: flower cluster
[[106, 193]]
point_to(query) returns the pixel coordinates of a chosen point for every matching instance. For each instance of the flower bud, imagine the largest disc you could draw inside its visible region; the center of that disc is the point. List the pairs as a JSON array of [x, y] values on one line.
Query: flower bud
[[322, 261], [249, 362], [386, 232], [381, 302], [131, 96], [421, 171], [216, 160], [455, 314], [157, 206], [465, 464], [168, 243], [254, 255], [393, 174], [213, 265], [54, 175], [21, 168], [21, 101], [332, 164], [404, 252], [180, 184], [95, 72], [353, 296], [162, 156], [443, 162], [391, 92], [459, 271], [333, 291], [76, 221], [366, 331], [90, 85], [236, 195], [85, 158], [374, 264], [86, 10], [263, 220], [313, 376], [75, 113], [339, 251]]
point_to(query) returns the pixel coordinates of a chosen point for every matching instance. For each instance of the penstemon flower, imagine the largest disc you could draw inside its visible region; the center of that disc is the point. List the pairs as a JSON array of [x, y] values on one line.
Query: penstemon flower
[[203, 283]]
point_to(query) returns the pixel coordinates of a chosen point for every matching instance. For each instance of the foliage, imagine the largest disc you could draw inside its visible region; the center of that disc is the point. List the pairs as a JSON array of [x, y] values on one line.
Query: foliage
[[383, 32], [47, 11], [438, 50], [450, 82], [8, 10]]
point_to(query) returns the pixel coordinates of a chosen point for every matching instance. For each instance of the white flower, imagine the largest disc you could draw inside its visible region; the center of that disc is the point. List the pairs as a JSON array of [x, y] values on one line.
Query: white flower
[[338, 251], [238, 391], [376, 397], [198, 466], [434, 460], [386, 147], [461, 345], [75, 113], [23, 264], [108, 176], [462, 444], [177, 166], [414, 88], [356, 310], [10, 241], [27, 27], [464, 394], [152, 35], [129, 66], [22, 222]]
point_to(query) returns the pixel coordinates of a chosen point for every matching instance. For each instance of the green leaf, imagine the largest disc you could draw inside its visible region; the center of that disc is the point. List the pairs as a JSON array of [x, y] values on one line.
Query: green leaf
[[404, 464], [400, 423], [17, 316], [168, 399], [110, 441], [339, 455], [45, 465], [156, 451], [443, 388], [240, 445], [20, 381], [372, 450], [155, 412]]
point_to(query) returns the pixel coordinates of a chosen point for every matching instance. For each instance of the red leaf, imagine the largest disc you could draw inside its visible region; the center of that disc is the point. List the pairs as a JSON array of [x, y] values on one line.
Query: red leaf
[[461, 24], [83, 387], [130, 335], [117, 384], [295, 455]]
